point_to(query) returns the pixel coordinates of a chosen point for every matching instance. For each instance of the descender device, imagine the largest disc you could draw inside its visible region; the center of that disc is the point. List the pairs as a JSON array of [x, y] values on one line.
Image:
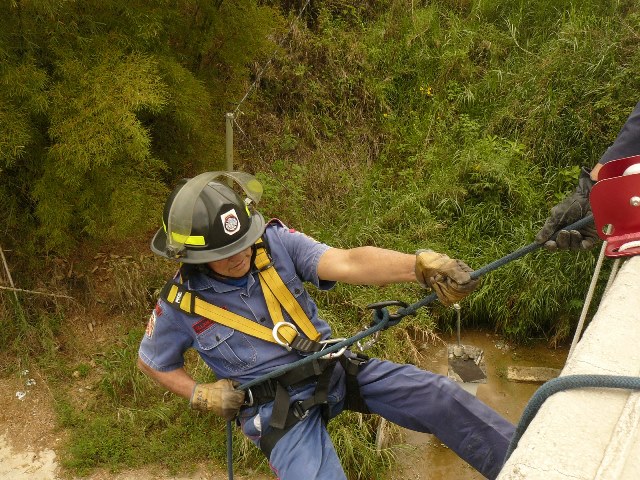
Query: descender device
[[615, 203]]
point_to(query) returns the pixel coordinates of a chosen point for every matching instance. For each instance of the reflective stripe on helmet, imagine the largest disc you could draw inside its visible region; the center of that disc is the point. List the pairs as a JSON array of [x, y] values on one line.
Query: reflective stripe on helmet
[[196, 240], [205, 220]]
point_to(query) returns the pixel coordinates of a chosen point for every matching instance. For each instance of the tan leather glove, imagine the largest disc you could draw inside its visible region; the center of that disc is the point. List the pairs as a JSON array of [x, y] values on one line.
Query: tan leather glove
[[219, 397], [449, 278]]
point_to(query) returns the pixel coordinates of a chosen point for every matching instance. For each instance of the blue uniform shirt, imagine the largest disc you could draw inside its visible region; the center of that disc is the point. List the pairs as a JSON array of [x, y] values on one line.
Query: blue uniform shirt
[[627, 143], [230, 353]]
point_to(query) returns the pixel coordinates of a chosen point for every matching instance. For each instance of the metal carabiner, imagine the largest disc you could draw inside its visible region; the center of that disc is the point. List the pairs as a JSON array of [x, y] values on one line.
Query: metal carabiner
[[248, 402], [380, 307], [277, 327], [362, 346], [332, 341]]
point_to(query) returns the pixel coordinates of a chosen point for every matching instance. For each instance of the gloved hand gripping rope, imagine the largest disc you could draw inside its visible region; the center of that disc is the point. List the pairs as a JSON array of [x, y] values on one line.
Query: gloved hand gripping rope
[[382, 319]]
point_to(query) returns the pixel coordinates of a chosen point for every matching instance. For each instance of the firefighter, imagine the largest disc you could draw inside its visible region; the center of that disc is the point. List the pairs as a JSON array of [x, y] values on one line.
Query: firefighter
[[239, 299]]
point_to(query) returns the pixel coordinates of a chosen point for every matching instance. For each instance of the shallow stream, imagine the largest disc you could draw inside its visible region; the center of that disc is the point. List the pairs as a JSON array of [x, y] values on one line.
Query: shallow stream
[[424, 457]]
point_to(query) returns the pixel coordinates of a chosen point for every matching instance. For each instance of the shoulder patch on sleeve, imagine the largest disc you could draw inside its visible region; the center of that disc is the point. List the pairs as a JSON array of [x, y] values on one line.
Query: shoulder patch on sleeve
[[151, 324]]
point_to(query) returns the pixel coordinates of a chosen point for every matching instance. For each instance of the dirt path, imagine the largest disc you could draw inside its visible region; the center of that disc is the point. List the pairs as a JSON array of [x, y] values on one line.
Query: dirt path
[[25, 462], [27, 424]]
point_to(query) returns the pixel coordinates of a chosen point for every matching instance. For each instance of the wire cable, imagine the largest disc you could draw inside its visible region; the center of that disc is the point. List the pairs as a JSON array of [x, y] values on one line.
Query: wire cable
[[266, 65]]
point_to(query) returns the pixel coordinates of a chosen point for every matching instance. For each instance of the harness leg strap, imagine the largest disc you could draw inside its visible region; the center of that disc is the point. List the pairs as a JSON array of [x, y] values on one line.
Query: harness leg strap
[[353, 400], [279, 414], [284, 416]]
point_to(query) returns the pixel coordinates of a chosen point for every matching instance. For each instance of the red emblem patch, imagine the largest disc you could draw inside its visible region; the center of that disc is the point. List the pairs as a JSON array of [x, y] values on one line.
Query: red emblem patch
[[202, 325]]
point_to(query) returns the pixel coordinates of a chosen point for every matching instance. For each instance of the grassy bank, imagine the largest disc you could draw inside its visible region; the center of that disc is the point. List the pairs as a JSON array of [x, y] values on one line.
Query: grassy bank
[[453, 125]]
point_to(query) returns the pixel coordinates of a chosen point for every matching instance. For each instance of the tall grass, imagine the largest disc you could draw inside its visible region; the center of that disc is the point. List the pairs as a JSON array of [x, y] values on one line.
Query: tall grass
[[453, 125]]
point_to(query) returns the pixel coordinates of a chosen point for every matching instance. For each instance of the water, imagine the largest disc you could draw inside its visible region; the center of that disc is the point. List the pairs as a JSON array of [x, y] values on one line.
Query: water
[[424, 457]]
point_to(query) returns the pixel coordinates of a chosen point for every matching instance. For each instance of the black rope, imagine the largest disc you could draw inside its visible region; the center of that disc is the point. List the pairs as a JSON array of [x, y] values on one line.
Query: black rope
[[230, 450]]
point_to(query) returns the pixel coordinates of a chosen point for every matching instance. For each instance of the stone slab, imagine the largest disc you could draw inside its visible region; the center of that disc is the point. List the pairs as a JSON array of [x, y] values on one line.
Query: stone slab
[[531, 374]]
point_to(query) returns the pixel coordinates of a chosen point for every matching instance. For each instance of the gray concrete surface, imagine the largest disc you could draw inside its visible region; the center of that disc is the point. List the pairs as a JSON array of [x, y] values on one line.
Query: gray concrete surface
[[592, 433]]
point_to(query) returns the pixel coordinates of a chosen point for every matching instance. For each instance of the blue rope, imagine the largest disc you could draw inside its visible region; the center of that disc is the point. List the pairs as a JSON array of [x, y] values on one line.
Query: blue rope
[[382, 320], [230, 450], [381, 324], [521, 252], [566, 383]]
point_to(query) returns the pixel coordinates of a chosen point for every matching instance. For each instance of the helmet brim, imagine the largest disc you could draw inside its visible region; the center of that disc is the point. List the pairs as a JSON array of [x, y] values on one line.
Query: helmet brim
[[159, 245]]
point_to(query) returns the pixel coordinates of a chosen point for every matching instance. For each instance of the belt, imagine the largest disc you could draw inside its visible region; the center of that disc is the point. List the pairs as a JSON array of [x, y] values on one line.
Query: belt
[[317, 372]]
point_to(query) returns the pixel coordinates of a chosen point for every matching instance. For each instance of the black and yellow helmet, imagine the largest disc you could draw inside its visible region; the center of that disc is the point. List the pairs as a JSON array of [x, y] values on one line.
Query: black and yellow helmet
[[205, 220]]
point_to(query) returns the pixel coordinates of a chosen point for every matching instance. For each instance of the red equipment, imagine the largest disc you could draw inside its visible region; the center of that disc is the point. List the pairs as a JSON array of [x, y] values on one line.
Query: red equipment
[[615, 203]]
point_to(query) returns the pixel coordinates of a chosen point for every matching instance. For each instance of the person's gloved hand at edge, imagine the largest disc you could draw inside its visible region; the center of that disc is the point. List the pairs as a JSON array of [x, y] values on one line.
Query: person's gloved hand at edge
[[573, 208], [221, 398], [448, 277]]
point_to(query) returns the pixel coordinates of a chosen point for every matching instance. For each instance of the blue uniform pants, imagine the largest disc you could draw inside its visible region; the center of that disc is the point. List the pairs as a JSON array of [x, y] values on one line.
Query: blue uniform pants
[[403, 394]]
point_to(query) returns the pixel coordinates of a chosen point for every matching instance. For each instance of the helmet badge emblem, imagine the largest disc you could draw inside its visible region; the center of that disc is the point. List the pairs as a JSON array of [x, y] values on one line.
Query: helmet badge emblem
[[230, 222]]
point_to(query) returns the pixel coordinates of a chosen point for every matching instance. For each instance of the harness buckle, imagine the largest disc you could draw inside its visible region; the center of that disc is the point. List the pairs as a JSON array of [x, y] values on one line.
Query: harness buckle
[[276, 337], [265, 267], [248, 402], [299, 412], [332, 341]]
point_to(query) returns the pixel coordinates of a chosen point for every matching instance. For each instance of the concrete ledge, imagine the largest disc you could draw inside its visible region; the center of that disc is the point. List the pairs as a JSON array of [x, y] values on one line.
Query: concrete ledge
[[592, 433]]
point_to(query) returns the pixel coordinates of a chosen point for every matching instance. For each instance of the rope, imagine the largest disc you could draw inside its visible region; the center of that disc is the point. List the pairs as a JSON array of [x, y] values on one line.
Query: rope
[[587, 300], [382, 320], [229, 450], [379, 324], [411, 309], [612, 275], [560, 384]]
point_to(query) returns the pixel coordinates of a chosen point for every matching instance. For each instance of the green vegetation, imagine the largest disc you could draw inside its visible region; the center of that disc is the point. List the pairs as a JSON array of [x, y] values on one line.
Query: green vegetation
[[449, 124], [103, 103]]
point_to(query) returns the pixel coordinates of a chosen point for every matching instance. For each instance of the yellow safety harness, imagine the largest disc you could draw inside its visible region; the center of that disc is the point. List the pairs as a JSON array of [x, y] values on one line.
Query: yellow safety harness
[[277, 297]]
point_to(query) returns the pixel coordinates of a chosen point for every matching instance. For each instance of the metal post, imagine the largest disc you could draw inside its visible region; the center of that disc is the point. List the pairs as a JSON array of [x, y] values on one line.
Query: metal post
[[229, 142], [457, 308]]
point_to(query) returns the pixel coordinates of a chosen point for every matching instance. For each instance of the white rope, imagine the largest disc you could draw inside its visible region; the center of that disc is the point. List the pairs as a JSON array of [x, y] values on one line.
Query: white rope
[[628, 245], [587, 301]]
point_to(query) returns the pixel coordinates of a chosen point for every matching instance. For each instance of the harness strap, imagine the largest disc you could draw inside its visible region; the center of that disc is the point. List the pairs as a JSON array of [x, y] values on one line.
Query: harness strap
[[191, 303], [278, 296], [285, 416], [353, 399]]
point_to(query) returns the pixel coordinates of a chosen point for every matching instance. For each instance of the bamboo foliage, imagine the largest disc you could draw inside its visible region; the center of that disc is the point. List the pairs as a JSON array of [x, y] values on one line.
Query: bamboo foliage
[[103, 104]]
